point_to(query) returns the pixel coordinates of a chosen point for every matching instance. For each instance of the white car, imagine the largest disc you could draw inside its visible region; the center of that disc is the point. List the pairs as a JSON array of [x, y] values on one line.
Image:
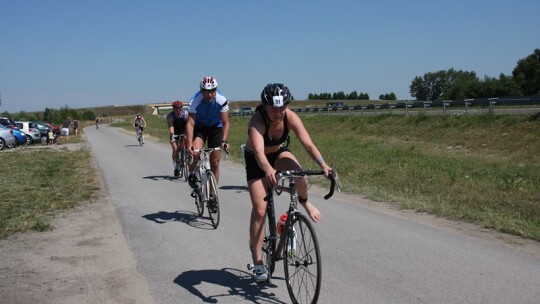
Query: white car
[[6, 138], [30, 128]]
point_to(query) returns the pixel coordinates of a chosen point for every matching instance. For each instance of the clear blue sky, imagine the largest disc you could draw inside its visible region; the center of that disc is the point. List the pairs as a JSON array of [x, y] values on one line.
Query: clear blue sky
[[106, 52]]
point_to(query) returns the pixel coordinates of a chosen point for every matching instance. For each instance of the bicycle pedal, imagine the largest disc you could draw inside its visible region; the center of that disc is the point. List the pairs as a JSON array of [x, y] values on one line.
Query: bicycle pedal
[[250, 266]]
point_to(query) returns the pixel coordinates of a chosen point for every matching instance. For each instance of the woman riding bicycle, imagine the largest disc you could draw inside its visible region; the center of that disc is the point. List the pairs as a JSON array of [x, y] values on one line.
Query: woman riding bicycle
[[268, 129], [176, 121]]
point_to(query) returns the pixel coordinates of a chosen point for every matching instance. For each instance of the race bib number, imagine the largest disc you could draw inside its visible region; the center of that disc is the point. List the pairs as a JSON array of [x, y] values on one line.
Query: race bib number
[[278, 101]]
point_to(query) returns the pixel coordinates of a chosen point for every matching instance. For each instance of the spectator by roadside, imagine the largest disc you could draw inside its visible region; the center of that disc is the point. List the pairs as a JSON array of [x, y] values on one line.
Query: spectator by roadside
[[75, 127], [50, 136], [65, 129]]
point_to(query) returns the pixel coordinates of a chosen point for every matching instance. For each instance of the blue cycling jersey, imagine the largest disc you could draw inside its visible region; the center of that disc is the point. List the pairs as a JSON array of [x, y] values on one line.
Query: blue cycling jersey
[[208, 114]]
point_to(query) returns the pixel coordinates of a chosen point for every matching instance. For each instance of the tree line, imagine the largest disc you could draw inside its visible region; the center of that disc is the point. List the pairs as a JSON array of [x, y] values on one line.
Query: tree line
[[458, 84], [56, 116]]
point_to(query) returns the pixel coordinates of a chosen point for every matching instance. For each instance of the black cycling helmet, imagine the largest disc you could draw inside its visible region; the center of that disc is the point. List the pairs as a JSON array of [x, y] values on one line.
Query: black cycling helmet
[[276, 95]]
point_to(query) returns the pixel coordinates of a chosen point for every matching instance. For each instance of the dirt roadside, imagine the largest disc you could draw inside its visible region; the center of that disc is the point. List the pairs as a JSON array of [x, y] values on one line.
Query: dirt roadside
[[84, 259]]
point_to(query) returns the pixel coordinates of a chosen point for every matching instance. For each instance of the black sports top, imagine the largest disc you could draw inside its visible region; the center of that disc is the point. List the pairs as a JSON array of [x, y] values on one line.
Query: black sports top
[[268, 142]]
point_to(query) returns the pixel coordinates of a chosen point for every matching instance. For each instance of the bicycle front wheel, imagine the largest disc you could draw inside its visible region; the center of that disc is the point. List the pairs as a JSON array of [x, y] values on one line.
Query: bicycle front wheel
[[211, 191], [184, 160], [180, 164], [302, 261]]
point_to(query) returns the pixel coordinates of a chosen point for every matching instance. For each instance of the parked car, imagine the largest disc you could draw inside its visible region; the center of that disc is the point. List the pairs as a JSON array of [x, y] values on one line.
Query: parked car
[[6, 138], [8, 122], [246, 111], [20, 137], [55, 128], [31, 129]]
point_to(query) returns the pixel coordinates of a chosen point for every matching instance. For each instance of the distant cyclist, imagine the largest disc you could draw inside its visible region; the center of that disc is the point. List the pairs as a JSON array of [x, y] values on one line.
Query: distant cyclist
[[208, 122], [139, 123], [97, 122], [176, 121]]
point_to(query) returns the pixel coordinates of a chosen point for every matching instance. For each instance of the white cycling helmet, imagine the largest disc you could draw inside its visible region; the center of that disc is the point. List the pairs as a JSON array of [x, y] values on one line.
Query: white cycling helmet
[[209, 83]]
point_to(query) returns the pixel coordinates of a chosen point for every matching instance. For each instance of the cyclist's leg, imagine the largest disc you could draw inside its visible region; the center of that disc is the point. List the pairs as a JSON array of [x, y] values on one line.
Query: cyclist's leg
[[174, 148], [287, 161], [257, 192], [214, 141]]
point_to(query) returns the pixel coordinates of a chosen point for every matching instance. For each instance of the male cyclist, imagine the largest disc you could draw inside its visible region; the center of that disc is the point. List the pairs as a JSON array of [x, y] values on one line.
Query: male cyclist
[[176, 121], [139, 123], [208, 122]]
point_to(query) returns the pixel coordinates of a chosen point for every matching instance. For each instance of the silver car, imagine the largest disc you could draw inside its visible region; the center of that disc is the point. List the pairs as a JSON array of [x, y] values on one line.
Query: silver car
[[30, 128], [6, 138]]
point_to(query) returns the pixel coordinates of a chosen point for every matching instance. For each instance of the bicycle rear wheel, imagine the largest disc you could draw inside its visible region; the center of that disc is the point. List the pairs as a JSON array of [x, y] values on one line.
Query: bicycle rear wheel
[[302, 261], [211, 191]]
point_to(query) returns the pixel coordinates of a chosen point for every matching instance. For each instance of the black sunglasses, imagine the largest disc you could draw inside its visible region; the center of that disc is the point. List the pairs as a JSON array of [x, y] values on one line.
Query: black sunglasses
[[209, 91]]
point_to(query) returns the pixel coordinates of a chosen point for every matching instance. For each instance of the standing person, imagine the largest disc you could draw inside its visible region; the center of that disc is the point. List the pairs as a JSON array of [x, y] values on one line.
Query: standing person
[[139, 123], [50, 136], [65, 129], [75, 127], [268, 129], [208, 122], [176, 121]]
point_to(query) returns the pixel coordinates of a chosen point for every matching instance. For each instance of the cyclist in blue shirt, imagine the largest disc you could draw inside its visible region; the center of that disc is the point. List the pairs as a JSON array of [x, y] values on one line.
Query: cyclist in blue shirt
[[176, 121], [208, 123]]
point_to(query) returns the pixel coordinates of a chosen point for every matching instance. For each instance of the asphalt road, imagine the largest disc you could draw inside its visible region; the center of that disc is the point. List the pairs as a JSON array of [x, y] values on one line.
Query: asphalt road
[[370, 254]]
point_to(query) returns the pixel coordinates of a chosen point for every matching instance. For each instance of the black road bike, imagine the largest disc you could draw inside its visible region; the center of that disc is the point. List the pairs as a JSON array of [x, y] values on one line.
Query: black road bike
[[297, 245], [182, 160]]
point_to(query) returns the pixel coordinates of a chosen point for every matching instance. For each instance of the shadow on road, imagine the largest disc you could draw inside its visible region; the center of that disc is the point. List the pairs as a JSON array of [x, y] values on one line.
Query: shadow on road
[[161, 177], [131, 146], [239, 282], [237, 188], [190, 218]]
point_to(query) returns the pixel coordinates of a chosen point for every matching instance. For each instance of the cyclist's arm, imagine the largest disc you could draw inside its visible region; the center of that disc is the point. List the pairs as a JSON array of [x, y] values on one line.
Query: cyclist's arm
[[226, 125], [256, 142], [189, 131], [296, 125], [171, 128]]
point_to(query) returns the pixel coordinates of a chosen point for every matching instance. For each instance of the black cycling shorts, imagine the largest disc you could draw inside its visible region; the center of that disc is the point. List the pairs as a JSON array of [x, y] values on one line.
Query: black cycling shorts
[[253, 171], [212, 135]]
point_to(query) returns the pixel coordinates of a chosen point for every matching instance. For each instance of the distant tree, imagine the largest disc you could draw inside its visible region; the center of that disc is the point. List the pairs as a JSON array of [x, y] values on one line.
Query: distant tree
[[387, 96], [526, 74], [434, 85], [87, 115], [353, 95], [363, 96]]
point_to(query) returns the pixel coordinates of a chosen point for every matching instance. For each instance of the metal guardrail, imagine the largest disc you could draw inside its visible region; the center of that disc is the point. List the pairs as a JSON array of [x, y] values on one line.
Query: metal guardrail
[[444, 107]]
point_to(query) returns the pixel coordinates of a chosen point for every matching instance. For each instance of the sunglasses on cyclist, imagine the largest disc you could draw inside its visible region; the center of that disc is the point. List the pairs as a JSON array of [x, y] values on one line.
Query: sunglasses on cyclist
[[209, 91]]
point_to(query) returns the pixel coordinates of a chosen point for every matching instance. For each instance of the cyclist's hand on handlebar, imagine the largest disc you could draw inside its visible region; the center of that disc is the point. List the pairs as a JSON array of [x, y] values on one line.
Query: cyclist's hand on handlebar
[[225, 147], [327, 170], [271, 177]]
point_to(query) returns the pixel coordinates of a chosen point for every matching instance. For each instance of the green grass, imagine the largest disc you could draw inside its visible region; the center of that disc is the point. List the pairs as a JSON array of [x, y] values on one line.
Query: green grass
[[37, 183]]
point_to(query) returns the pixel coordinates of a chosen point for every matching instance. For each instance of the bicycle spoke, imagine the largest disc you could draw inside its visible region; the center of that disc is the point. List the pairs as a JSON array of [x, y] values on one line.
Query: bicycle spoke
[[302, 262]]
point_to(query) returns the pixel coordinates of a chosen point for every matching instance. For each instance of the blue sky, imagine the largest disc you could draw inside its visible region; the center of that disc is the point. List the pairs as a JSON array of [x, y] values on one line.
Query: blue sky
[[92, 53]]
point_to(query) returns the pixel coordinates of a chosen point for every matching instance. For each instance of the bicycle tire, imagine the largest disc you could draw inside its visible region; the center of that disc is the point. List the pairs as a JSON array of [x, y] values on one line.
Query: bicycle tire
[[199, 201], [185, 167], [211, 186], [269, 246], [302, 261], [180, 164]]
